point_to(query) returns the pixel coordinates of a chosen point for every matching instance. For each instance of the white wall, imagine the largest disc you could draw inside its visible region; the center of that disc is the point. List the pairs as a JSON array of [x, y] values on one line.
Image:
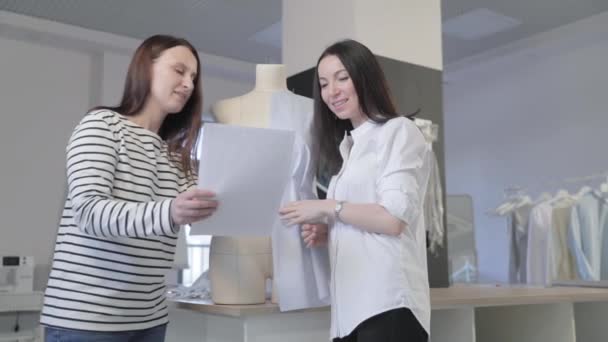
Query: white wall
[[37, 117], [408, 31], [50, 75], [404, 30], [523, 114]]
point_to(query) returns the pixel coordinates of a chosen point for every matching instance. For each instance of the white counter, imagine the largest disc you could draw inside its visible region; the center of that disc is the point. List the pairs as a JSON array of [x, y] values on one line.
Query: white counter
[[22, 308], [463, 313]]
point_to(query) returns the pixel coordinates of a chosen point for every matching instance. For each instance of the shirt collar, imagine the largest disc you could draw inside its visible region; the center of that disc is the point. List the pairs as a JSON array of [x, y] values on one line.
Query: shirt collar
[[345, 145], [362, 129]]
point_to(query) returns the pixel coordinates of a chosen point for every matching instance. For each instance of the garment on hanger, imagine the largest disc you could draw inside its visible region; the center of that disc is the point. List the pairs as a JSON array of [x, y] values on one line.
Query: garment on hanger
[[585, 233], [433, 207], [603, 223], [302, 274], [539, 246], [561, 261], [433, 201], [517, 221], [548, 256]]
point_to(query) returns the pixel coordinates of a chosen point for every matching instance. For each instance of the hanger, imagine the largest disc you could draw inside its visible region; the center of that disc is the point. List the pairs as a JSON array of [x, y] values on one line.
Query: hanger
[[503, 209], [545, 196], [560, 196], [514, 197], [511, 204], [583, 191], [524, 200], [604, 186], [561, 193]]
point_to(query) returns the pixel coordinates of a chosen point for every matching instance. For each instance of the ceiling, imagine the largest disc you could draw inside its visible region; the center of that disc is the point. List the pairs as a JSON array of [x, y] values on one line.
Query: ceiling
[[218, 27], [250, 30], [536, 16]]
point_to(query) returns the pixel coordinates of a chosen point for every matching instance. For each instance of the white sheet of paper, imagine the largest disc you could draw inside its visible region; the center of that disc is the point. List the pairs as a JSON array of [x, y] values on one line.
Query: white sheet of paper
[[248, 168]]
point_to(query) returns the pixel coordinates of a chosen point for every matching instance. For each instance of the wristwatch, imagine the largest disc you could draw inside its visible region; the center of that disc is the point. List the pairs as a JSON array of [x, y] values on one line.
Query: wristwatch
[[338, 209]]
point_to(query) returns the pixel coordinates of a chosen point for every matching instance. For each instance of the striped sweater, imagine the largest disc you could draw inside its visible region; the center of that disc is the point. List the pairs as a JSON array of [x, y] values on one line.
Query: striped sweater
[[115, 242]]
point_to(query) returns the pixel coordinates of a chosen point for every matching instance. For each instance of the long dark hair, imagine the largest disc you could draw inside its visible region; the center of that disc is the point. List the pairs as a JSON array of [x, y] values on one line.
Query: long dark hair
[[179, 130], [372, 90]]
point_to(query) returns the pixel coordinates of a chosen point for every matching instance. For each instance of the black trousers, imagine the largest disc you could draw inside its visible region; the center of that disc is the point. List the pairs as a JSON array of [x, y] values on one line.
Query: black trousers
[[399, 325]]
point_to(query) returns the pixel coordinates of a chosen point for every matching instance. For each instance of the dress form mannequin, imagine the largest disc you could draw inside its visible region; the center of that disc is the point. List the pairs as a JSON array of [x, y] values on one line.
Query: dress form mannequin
[[239, 267]]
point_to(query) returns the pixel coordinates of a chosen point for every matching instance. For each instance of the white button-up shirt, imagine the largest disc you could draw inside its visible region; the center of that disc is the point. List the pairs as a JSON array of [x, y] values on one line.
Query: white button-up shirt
[[372, 273]]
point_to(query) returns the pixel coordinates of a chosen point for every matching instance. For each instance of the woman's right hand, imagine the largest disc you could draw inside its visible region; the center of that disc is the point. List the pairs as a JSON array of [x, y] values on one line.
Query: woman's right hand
[[193, 205], [314, 235]]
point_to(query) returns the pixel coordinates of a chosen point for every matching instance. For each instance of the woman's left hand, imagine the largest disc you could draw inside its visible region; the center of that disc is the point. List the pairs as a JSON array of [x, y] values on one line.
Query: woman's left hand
[[309, 211]]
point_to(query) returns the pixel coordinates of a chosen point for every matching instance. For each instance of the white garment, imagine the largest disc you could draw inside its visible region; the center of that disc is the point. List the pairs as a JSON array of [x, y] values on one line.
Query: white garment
[[372, 273], [433, 207], [433, 201], [518, 229], [587, 221], [539, 245], [301, 273], [563, 265]]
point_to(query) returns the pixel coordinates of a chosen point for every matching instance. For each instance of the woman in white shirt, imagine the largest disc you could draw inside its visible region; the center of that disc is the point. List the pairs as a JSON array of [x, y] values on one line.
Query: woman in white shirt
[[377, 248]]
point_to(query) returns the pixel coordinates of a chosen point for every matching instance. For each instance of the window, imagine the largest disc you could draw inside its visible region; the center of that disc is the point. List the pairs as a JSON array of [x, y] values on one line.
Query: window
[[197, 247]]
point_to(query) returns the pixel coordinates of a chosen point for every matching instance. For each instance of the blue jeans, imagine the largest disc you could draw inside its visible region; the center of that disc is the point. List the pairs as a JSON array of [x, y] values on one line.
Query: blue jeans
[[156, 334]]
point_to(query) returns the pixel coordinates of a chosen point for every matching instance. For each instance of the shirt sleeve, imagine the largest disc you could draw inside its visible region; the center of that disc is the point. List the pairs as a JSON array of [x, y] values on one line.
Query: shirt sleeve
[[92, 156], [403, 170]]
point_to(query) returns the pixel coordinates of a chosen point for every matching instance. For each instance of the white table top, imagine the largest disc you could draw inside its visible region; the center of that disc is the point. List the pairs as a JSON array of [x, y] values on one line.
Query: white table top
[[441, 298]]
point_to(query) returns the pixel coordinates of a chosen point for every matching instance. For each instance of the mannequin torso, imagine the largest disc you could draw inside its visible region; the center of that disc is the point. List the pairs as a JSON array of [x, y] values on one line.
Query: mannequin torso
[[253, 109], [240, 266]]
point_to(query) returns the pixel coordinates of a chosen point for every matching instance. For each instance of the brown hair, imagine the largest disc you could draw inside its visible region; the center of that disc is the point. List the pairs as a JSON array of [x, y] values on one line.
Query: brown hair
[[179, 130]]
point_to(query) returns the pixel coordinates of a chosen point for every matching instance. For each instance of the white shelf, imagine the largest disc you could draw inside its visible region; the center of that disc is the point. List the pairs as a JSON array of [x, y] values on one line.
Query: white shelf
[[13, 302], [20, 336], [456, 297], [460, 314]]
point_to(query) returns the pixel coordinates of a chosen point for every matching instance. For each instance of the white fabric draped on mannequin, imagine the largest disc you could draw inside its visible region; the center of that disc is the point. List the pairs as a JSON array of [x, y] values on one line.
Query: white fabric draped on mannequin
[[301, 274]]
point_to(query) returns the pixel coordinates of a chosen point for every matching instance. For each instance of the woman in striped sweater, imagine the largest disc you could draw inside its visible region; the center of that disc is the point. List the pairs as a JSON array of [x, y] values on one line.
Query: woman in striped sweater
[[131, 185]]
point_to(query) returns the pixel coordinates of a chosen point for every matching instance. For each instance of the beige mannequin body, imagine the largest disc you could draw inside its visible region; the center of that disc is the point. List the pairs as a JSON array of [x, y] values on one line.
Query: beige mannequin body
[[239, 267]]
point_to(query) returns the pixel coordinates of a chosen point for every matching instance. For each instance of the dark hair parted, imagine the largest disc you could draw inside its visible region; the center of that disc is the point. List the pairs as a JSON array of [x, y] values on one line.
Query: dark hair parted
[[372, 90]]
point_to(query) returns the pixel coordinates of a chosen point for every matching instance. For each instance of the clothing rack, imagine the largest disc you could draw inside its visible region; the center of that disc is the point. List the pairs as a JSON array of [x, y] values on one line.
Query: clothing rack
[[556, 182], [515, 192]]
